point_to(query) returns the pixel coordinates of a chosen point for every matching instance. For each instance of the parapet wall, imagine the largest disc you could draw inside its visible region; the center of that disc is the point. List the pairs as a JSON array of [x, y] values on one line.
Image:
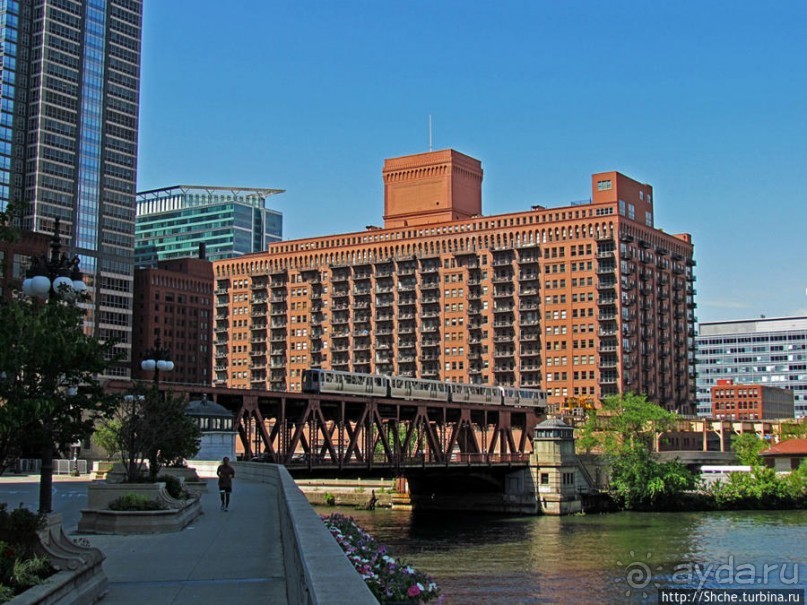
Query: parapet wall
[[317, 571]]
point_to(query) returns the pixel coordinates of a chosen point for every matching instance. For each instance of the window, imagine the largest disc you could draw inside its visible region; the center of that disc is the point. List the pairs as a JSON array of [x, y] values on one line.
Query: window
[[604, 185]]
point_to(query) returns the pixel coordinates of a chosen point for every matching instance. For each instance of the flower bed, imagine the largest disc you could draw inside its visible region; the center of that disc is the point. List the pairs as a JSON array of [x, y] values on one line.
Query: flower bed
[[389, 579]]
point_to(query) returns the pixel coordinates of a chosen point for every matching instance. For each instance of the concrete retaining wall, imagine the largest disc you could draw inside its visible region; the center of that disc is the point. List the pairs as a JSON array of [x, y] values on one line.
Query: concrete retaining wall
[[317, 571]]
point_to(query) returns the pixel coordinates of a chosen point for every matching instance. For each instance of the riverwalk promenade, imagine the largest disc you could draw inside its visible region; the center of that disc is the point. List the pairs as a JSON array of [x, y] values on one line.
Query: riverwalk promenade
[[269, 547], [225, 558]]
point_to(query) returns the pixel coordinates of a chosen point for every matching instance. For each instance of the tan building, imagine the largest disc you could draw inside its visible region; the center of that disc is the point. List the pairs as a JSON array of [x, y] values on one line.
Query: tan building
[[584, 300], [750, 401]]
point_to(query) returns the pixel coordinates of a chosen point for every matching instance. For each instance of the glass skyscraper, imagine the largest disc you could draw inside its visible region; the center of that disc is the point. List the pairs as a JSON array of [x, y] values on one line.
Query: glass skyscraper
[[767, 351], [68, 139], [229, 221]]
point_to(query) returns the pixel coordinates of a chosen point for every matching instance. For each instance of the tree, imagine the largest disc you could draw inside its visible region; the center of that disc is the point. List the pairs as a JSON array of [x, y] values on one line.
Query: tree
[[623, 421], [153, 427], [50, 394], [748, 447], [9, 219], [624, 429], [106, 436], [640, 481]]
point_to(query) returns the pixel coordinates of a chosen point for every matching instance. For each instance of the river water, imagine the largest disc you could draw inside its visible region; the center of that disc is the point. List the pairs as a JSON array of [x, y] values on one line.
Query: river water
[[612, 558]]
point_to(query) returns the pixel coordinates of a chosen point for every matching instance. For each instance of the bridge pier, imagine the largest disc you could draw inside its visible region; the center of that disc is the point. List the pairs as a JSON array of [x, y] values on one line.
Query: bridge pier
[[488, 490], [559, 476]]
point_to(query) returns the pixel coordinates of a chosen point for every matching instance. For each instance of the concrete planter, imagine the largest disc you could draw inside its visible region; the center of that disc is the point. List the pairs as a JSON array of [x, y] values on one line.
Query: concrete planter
[[101, 468], [99, 519], [189, 477], [80, 577]]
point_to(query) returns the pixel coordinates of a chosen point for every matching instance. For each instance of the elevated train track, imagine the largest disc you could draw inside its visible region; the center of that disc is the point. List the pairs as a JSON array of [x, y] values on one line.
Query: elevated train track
[[333, 432]]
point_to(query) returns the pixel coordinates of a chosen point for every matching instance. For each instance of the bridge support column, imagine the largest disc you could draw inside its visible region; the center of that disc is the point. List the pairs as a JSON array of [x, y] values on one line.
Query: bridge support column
[[558, 475]]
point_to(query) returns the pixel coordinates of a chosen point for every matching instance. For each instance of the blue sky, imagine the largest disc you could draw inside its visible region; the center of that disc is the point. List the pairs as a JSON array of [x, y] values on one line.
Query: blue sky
[[706, 101]]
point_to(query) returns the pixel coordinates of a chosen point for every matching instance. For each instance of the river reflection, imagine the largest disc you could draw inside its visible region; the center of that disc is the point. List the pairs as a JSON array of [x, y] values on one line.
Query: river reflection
[[615, 558]]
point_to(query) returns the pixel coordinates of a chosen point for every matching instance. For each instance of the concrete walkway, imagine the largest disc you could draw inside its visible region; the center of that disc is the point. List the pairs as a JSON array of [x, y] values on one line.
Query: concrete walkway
[[224, 558]]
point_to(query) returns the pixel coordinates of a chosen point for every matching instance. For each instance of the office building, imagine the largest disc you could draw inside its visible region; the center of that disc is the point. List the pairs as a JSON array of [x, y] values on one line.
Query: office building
[[764, 351], [750, 401], [584, 300], [230, 221], [68, 142], [173, 303]]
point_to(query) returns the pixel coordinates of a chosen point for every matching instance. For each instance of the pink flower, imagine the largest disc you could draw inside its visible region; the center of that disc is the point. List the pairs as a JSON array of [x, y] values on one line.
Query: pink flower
[[413, 591]]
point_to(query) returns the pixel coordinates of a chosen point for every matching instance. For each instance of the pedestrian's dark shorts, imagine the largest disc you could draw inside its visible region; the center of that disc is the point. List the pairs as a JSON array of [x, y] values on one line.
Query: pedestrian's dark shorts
[[228, 490]]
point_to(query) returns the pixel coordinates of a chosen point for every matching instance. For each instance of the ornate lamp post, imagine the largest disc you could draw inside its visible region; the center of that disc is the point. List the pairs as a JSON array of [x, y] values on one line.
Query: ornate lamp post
[[53, 278], [157, 360], [56, 276]]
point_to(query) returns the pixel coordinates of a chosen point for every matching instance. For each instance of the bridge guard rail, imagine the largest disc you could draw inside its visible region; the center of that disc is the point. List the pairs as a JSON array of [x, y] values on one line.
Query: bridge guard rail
[[317, 571]]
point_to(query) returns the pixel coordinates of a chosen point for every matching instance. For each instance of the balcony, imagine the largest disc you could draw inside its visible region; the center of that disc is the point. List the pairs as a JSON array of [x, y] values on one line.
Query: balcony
[[502, 262], [608, 346], [609, 362]]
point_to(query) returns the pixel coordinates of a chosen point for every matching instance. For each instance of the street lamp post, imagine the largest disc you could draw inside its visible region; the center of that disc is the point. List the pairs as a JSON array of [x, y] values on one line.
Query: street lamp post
[[53, 278], [157, 359]]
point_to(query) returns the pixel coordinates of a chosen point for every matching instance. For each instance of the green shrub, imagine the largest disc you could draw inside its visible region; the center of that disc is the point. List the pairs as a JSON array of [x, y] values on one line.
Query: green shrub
[[330, 499], [173, 485], [30, 572], [20, 567], [136, 502], [20, 528]]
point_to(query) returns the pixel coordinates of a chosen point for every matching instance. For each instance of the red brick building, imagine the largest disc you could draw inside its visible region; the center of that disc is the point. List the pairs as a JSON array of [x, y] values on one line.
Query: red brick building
[[750, 401], [15, 258], [174, 302], [583, 300]]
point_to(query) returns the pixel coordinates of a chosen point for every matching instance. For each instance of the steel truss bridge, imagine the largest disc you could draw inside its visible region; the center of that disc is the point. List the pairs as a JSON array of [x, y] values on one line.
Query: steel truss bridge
[[338, 432]]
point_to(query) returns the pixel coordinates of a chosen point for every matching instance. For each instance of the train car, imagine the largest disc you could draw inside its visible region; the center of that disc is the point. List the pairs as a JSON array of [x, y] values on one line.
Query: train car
[[348, 383], [523, 397], [403, 387], [475, 393]]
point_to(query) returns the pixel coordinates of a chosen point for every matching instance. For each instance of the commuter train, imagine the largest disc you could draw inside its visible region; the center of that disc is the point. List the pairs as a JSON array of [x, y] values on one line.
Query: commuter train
[[402, 387]]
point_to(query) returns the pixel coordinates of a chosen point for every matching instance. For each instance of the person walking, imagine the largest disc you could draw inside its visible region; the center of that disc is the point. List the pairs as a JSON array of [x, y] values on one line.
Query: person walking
[[225, 473]]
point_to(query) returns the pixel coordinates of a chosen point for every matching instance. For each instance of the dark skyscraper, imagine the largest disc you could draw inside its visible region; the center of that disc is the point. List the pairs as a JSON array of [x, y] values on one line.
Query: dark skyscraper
[[68, 138]]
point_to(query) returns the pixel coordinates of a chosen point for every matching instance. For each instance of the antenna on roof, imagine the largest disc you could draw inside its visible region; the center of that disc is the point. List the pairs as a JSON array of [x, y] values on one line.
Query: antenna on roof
[[430, 132]]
